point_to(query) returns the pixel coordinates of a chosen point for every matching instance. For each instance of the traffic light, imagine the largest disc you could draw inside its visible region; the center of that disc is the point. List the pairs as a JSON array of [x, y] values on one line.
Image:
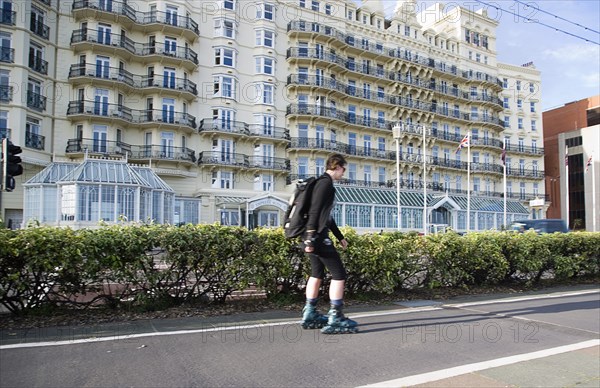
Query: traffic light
[[12, 164]]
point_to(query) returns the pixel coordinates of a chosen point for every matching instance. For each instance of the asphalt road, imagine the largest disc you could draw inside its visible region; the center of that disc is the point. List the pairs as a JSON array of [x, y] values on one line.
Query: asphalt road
[[271, 350]]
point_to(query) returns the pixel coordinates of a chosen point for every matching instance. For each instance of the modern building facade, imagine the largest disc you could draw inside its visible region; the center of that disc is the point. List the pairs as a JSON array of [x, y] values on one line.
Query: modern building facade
[[571, 138], [229, 102]]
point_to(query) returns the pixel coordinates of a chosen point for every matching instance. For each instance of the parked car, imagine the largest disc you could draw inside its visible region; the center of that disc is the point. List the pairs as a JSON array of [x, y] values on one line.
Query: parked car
[[540, 226]]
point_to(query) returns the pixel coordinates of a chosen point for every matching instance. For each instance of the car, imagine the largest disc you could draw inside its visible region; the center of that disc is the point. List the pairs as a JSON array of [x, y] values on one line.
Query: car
[[540, 226]]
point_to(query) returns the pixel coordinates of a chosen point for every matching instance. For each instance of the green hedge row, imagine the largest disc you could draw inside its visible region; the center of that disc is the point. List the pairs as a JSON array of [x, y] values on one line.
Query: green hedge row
[[159, 266]]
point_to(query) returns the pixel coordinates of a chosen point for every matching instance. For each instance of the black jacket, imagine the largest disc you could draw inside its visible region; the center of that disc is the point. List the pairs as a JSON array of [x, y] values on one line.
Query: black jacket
[[319, 214]]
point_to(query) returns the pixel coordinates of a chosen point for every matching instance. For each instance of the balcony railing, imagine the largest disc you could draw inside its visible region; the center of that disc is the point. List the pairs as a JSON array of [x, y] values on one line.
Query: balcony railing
[[8, 17], [142, 18], [242, 128], [407, 55], [265, 162], [6, 93], [36, 101], [223, 158], [134, 80], [7, 54], [39, 28], [139, 49], [151, 151], [35, 141], [524, 149], [38, 64], [102, 109]]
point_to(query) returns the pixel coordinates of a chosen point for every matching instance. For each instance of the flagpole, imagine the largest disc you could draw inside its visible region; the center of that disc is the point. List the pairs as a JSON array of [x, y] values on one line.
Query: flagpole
[[567, 185], [504, 181], [424, 185], [468, 181]]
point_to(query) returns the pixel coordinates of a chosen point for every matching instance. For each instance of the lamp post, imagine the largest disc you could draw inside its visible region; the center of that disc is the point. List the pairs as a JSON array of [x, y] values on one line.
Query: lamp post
[[396, 129]]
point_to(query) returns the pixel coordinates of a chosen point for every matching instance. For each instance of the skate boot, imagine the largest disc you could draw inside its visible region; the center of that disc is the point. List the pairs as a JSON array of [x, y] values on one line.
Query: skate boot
[[312, 318], [338, 323]]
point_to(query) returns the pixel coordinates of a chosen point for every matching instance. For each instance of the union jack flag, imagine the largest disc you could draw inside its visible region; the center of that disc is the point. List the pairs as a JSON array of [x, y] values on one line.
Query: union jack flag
[[464, 142], [588, 164], [503, 156], [566, 156]]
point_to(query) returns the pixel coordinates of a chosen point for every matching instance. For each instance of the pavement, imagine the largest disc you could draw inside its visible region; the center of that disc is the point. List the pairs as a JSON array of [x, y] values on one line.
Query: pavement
[[573, 365]]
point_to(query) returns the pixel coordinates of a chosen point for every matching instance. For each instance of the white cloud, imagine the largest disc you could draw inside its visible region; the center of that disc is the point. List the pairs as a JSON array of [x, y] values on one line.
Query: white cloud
[[574, 53]]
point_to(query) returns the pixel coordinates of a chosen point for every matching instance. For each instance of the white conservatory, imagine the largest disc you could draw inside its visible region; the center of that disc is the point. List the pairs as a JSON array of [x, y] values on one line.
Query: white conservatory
[[82, 195]]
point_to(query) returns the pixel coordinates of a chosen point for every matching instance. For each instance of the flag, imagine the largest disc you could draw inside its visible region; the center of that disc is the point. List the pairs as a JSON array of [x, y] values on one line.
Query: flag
[[588, 164], [503, 156], [566, 156], [463, 143]]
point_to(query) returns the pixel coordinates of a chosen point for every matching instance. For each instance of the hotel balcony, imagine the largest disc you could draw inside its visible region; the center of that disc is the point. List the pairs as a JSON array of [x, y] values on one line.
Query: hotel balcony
[[5, 133], [35, 141], [8, 17], [211, 158], [6, 93], [147, 22], [87, 109], [36, 101], [39, 28], [522, 149], [78, 147], [84, 73], [38, 64], [7, 55], [209, 125], [115, 44]]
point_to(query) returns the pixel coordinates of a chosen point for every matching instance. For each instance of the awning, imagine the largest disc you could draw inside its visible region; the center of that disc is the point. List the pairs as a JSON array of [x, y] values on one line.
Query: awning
[[385, 196]]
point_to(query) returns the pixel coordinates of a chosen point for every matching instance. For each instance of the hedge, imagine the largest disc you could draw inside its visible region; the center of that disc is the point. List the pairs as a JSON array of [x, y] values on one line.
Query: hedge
[[155, 266]]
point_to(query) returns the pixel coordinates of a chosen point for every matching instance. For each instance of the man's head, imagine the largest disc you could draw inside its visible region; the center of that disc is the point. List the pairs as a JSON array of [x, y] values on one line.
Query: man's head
[[336, 166]]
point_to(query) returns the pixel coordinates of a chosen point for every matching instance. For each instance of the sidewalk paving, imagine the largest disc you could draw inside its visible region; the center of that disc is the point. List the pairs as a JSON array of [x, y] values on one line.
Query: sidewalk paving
[[573, 368]]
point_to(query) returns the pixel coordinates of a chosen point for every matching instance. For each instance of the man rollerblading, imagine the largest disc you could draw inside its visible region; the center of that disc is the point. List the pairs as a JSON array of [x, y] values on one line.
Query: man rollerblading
[[322, 253]]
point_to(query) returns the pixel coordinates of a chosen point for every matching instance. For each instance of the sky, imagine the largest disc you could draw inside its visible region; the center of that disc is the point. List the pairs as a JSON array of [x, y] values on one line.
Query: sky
[[569, 66]]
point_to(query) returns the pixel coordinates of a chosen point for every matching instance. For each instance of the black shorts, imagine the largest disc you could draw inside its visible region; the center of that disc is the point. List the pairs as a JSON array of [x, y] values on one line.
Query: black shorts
[[326, 256]]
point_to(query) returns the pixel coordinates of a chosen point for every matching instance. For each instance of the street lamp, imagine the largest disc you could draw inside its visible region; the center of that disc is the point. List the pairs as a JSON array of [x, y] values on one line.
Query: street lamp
[[424, 183], [396, 130]]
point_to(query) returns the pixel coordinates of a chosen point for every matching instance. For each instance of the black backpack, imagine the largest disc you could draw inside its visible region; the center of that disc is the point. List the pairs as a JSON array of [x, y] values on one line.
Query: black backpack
[[296, 215]]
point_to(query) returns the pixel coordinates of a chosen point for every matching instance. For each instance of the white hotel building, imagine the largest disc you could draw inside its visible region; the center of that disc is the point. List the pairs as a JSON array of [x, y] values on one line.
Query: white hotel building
[[208, 111]]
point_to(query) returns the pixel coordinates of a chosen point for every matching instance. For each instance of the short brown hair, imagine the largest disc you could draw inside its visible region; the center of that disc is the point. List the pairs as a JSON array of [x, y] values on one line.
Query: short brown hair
[[335, 160]]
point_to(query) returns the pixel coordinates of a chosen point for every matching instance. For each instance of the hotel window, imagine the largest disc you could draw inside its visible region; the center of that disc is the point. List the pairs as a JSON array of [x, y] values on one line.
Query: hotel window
[[265, 11], [531, 87], [350, 15], [506, 121], [505, 83], [533, 125], [302, 3], [225, 27], [225, 57], [532, 106], [265, 93], [222, 180], [223, 119], [315, 5], [520, 123], [519, 103], [264, 65], [382, 175], [224, 86], [406, 30], [327, 9], [229, 4], [518, 85], [265, 38]]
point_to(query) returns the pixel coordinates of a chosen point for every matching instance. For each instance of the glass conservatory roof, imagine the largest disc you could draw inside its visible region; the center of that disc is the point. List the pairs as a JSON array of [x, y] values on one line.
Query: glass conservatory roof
[[104, 171], [355, 195], [154, 180], [53, 172], [100, 171]]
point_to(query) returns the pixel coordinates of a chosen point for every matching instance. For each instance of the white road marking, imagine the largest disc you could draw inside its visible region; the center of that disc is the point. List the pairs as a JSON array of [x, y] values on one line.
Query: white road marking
[[224, 327], [470, 368]]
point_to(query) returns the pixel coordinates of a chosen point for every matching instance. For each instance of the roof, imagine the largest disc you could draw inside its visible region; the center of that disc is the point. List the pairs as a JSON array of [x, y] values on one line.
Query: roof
[[384, 196], [104, 171], [117, 172], [52, 173]]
